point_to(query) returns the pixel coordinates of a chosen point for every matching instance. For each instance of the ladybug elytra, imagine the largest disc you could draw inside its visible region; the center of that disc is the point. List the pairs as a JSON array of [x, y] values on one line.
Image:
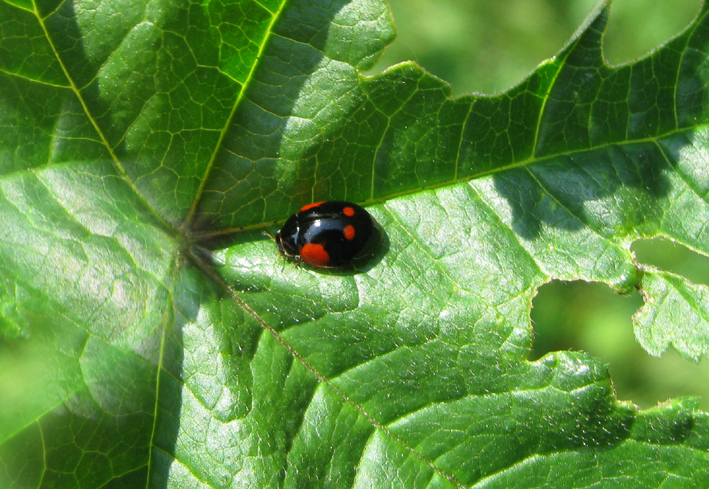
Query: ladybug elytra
[[329, 234]]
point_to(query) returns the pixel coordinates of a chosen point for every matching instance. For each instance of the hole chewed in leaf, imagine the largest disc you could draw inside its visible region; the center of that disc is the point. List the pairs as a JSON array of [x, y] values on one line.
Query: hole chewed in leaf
[[661, 22], [672, 256], [592, 318]]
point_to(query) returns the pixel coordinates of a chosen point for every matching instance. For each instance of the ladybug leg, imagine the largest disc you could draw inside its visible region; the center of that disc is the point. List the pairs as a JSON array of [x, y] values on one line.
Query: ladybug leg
[[273, 238]]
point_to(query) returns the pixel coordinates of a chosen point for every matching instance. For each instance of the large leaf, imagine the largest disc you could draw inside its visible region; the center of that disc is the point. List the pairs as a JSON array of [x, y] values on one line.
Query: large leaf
[[135, 133]]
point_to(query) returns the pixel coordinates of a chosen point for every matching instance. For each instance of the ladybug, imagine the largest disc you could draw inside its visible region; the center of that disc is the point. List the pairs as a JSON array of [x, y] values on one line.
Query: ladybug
[[329, 234]]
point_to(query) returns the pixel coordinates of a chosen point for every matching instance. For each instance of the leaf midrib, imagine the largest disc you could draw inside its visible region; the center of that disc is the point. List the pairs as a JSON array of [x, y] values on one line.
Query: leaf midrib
[[275, 16]]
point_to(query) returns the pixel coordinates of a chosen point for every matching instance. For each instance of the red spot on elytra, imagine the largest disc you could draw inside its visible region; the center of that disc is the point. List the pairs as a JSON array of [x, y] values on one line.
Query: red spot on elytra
[[349, 232], [348, 211], [310, 206], [314, 254]]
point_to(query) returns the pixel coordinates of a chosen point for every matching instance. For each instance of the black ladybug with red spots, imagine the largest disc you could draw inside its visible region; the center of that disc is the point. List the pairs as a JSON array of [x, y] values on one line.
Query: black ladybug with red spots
[[329, 234]]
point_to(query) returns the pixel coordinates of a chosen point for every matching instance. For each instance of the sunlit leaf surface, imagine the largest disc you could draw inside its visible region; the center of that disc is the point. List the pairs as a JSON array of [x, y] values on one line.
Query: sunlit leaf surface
[[150, 336]]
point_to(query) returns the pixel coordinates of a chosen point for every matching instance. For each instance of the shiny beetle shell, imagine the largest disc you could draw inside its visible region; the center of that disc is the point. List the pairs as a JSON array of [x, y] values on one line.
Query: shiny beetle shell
[[329, 234]]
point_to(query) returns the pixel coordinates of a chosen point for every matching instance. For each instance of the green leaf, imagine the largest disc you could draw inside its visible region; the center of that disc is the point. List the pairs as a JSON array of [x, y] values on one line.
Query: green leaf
[[675, 312], [150, 335]]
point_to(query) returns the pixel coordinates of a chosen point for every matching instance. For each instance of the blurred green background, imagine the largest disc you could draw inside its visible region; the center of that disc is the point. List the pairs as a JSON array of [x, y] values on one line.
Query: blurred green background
[[488, 46]]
